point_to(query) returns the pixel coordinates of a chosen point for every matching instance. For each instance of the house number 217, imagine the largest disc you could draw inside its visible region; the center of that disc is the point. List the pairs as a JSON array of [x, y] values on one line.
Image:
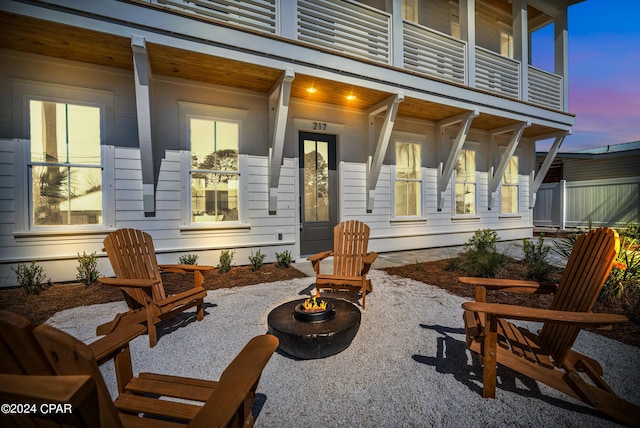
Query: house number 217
[[319, 126]]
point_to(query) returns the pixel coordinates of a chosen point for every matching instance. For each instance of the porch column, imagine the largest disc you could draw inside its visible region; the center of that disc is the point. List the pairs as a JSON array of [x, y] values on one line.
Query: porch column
[[142, 77], [468, 34], [521, 44], [397, 34], [561, 54]]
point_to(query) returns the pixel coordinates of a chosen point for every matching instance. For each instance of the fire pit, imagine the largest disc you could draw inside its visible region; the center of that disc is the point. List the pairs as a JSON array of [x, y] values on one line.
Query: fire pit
[[316, 332]]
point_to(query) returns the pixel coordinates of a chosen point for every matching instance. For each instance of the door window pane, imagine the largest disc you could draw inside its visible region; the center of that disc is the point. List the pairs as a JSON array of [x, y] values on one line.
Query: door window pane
[[316, 180]]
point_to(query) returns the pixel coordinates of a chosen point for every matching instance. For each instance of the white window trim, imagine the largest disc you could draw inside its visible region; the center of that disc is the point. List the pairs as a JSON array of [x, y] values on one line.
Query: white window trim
[[188, 110], [421, 215], [454, 215], [25, 91]]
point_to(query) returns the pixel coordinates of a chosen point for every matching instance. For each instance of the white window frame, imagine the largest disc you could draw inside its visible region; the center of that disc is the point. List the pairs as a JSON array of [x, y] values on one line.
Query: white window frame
[[420, 215], [454, 182], [516, 185], [25, 92], [188, 110]]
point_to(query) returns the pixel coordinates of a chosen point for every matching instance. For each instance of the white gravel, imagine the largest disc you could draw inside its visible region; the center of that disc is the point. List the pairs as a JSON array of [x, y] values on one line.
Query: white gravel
[[407, 366]]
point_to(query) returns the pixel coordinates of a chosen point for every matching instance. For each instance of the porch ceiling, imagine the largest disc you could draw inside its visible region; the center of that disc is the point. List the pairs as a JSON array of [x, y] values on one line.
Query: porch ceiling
[[25, 34]]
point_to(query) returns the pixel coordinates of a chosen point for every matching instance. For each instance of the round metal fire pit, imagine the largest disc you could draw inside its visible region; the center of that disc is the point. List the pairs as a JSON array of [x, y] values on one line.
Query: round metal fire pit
[[310, 340], [314, 316]]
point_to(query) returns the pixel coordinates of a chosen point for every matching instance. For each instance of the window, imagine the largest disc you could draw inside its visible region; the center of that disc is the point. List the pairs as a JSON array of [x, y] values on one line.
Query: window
[[408, 180], [214, 173], [466, 183], [506, 41], [510, 187], [410, 10], [65, 164]]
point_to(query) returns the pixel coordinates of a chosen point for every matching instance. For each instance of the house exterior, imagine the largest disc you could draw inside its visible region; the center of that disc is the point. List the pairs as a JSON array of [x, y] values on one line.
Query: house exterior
[[260, 125], [592, 187]]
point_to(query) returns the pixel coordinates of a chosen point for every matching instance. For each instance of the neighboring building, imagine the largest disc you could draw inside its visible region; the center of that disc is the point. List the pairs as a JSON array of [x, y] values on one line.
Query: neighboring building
[[260, 125], [591, 187]]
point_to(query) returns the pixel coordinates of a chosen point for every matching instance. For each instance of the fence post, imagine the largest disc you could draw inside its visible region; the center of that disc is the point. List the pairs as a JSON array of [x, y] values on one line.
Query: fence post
[[563, 206]]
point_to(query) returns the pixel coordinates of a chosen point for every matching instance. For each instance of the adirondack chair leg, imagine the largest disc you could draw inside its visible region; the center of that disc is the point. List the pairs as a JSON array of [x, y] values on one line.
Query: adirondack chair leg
[[124, 370], [200, 311], [489, 357], [151, 329]]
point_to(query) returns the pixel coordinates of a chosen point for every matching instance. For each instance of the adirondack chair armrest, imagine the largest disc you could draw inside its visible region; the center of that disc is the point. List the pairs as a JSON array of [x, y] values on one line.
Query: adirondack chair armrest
[[586, 319], [495, 284], [368, 260], [108, 346], [45, 389], [124, 282], [320, 256], [184, 268]]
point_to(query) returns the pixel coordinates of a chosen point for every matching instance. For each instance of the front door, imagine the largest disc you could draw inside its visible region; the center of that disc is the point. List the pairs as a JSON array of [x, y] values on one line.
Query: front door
[[318, 192]]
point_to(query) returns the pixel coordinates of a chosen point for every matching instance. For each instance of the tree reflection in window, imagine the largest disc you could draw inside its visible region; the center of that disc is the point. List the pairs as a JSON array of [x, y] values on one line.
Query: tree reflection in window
[[316, 181]]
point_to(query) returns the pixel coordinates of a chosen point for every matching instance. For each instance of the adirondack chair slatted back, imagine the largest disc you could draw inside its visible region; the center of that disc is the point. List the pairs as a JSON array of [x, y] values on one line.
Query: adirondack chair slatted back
[[133, 256], [586, 271], [45, 350], [351, 239]]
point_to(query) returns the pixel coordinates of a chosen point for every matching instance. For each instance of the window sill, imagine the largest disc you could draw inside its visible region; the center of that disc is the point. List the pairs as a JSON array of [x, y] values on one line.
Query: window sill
[[408, 220], [61, 233], [510, 216], [465, 218], [214, 227]]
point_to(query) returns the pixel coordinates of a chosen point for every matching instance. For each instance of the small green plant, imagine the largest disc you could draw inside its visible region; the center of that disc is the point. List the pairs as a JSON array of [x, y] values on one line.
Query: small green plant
[[226, 258], [481, 257], [419, 267], [283, 259], [256, 260], [87, 268], [535, 259], [563, 246], [31, 277], [632, 231], [188, 259]]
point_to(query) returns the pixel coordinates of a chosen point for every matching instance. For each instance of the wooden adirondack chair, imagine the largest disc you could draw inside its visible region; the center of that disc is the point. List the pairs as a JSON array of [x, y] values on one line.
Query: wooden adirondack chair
[[45, 365], [134, 262], [548, 357], [351, 262]]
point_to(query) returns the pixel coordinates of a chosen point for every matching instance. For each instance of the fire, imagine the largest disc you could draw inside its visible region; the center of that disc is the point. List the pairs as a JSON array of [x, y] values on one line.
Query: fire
[[314, 304]]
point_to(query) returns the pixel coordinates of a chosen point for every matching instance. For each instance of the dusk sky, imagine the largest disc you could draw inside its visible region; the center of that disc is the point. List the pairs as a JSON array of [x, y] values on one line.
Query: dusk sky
[[604, 72]]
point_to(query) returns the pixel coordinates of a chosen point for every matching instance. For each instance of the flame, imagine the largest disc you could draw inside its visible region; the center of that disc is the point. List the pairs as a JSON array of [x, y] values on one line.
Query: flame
[[313, 304]]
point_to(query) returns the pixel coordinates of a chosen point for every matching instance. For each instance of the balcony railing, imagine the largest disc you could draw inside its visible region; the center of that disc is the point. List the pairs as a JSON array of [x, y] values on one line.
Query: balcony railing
[[361, 31]]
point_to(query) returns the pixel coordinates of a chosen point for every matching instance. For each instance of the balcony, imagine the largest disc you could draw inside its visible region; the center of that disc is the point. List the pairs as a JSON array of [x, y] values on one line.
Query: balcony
[[356, 30]]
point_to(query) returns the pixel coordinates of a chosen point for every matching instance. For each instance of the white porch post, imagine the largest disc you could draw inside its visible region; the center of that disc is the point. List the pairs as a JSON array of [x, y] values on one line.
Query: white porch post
[[397, 34], [468, 34], [521, 44], [374, 166], [142, 77], [278, 112], [561, 54]]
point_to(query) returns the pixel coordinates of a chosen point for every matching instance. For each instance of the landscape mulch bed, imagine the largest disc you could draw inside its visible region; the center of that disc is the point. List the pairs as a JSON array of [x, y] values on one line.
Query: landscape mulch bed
[[59, 297]]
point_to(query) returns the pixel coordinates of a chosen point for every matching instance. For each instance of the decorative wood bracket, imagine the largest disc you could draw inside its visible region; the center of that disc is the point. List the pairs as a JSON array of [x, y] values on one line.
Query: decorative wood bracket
[[142, 77], [546, 164], [278, 111], [445, 172], [495, 176], [375, 164]]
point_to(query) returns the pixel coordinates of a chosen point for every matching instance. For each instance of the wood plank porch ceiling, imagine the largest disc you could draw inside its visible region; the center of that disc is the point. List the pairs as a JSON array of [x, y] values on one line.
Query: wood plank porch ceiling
[[47, 38]]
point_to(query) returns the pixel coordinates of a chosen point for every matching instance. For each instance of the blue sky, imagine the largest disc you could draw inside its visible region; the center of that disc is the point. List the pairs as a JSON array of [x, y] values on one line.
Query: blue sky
[[604, 72]]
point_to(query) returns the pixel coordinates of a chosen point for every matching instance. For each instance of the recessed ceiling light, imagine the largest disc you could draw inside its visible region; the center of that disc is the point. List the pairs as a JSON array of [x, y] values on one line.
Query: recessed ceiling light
[[312, 89], [351, 97]]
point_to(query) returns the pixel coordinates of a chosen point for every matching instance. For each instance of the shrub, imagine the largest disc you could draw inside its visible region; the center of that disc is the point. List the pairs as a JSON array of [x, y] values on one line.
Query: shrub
[[284, 259], [481, 257], [226, 258], [31, 277], [625, 274], [535, 259], [87, 268], [256, 260], [188, 259], [563, 246], [632, 231]]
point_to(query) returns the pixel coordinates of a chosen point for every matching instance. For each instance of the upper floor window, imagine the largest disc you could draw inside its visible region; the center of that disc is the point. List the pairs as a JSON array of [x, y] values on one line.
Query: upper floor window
[[506, 40], [215, 171], [510, 187], [465, 195], [410, 10], [408, 180], [65, 164]]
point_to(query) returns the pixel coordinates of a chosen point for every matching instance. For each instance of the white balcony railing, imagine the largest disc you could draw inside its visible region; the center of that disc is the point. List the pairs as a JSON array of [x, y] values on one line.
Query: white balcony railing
[[347, 27], [545, 88], [255, 14], [497, 73], [435, 54], [361, 31]]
